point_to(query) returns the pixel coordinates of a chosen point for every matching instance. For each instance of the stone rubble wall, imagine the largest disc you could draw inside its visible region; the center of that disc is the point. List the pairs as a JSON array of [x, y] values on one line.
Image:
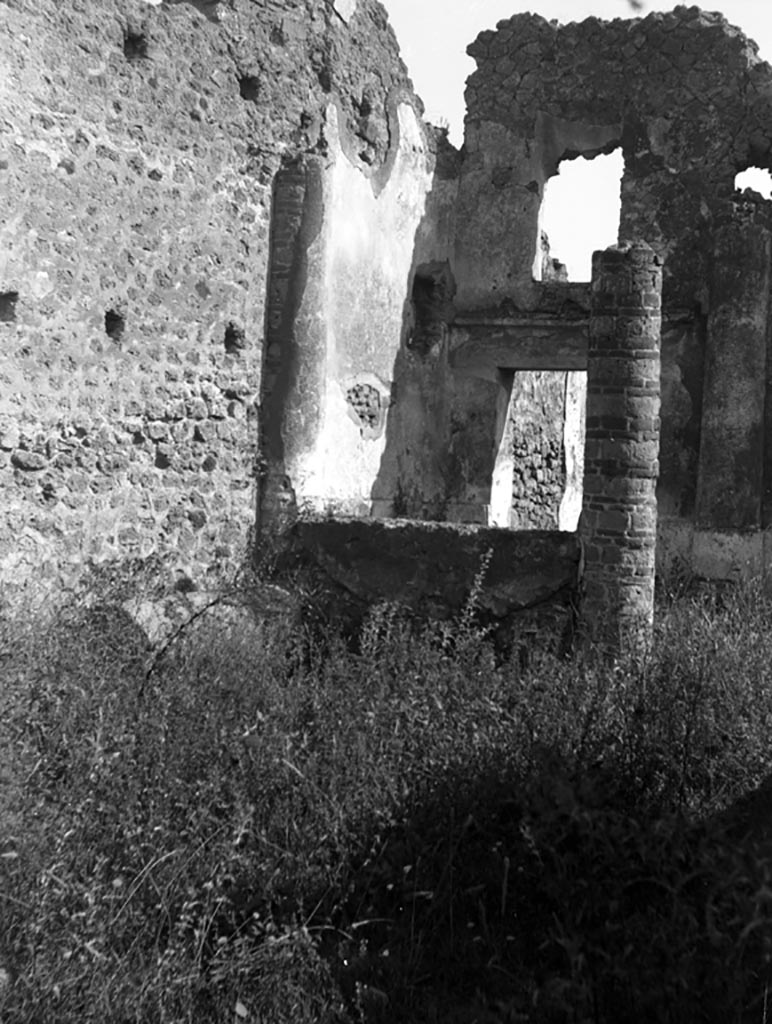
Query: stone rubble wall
[[139, 143], [537, 411], [684, 94]]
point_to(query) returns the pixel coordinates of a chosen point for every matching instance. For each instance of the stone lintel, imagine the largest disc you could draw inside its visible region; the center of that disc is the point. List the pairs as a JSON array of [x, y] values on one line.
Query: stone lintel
[[483, 349], [483, 343]]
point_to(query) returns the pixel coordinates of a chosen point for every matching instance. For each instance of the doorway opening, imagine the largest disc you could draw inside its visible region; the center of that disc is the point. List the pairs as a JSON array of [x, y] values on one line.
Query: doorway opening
[[539, 450]]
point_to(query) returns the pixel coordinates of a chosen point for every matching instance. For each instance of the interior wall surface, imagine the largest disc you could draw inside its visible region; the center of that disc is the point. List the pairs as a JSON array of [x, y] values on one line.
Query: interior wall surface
[[345, 383]]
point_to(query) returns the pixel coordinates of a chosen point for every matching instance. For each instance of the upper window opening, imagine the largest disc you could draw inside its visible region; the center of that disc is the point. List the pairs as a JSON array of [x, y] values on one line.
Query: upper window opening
[[757, 179], [580, 213]]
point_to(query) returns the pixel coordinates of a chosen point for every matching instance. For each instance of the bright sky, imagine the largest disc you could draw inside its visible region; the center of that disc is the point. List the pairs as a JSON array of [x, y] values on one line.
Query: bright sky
[[433, 36]]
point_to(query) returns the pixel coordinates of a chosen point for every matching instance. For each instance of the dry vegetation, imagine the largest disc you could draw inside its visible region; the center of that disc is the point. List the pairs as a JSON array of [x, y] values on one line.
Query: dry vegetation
[[275, 831]]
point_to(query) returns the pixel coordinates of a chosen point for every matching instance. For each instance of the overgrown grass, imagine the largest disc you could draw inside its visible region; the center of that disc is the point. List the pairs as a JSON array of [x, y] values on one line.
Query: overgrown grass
[[268, 830]]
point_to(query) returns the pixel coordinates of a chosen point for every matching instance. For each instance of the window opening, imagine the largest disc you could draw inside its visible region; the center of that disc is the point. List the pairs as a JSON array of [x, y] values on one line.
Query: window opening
[[755, 178], [580, 212]]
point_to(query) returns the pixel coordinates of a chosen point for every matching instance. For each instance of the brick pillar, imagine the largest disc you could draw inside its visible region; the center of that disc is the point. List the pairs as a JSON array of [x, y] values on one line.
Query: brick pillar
[[618, 525], [289, 407], [275, 497]]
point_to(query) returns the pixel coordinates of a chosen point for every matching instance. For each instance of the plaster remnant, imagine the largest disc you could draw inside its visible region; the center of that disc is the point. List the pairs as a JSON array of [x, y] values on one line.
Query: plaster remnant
[[500, 505], [573, 450], [343, 238]]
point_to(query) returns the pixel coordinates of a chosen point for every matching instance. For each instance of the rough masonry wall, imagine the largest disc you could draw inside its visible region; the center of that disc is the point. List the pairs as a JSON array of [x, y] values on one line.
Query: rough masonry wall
[[138, 148], [684, 94], [537, 412]]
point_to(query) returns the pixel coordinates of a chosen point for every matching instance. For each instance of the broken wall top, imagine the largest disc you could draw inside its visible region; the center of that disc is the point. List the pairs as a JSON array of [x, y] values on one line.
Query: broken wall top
[[291, 58], [685, 94]]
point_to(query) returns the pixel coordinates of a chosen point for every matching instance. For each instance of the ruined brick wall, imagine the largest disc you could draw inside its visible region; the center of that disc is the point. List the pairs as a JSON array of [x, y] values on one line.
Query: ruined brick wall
[[684, 94], [686, 97], [138, 147]]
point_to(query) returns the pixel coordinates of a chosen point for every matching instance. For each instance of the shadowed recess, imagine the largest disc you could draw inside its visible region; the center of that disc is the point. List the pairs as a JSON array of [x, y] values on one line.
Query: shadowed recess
[[8, 302], [134, 46], [115, 324]]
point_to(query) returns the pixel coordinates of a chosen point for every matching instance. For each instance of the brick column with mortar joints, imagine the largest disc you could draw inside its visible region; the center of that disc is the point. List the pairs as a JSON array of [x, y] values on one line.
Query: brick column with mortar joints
[[618, 525]]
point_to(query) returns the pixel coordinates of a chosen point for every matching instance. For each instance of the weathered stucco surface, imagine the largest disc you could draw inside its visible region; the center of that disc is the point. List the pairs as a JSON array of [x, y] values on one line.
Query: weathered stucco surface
[[348, 324]]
